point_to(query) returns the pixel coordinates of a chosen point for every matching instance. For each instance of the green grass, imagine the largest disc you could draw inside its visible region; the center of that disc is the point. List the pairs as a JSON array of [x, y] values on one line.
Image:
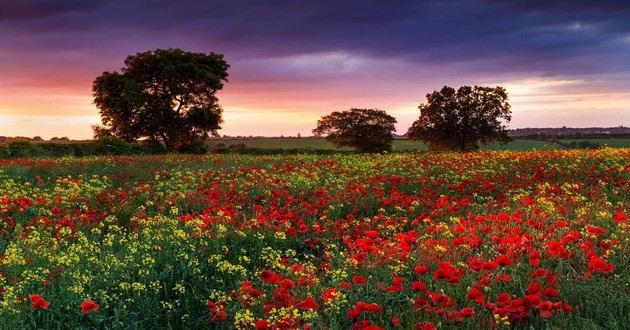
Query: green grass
[[612, 142], [399, 144]]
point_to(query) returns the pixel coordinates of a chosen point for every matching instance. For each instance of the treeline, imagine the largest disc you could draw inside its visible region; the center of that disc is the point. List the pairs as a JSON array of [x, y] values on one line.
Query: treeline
[[105, 146], [116, 146]]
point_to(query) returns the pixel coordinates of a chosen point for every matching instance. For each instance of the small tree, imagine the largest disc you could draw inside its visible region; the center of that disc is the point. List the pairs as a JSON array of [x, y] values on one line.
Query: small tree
[[460, 119], [166, 96], [367, 130]]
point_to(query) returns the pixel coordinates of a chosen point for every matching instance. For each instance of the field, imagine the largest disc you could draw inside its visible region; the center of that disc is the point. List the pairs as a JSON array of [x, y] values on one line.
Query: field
[[531, 240], [612, 142], [398, 145]]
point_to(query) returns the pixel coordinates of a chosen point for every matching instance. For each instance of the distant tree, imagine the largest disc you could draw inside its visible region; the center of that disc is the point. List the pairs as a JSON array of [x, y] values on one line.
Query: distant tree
[[461, 119], [165, 95], [367, 130]]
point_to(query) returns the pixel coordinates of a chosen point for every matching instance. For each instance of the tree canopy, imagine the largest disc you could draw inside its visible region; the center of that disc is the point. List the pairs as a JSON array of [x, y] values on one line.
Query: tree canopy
[[461, 119], [164, 95], [367, 130]]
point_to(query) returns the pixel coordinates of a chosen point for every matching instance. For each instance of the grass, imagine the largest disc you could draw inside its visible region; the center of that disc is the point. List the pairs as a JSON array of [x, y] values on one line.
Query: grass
[[398, 145], [612, 142]]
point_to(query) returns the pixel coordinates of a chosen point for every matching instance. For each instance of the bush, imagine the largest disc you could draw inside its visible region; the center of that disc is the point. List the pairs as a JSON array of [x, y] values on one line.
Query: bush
[[57, 149], [196, 147], [4, 151], [21, 149], [113, 146]]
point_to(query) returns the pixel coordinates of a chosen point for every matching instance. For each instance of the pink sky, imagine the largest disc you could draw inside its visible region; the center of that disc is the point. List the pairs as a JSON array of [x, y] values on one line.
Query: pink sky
[[56, 102]]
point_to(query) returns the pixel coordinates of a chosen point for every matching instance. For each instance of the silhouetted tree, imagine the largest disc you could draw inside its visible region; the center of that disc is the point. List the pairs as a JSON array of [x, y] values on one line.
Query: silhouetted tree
[[367, 130], [166, 96], [460, 119]]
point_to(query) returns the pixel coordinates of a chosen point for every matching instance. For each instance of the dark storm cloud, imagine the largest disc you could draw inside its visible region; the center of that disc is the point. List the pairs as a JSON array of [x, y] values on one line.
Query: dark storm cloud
[[39, 9], [546, 37]]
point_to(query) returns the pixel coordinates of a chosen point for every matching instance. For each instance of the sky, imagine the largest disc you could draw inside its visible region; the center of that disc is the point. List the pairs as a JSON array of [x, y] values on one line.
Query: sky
[[564, 63]]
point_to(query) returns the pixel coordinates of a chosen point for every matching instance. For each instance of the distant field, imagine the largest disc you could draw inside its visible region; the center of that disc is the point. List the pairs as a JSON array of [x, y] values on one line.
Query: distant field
[[314, 143], [613, 142]]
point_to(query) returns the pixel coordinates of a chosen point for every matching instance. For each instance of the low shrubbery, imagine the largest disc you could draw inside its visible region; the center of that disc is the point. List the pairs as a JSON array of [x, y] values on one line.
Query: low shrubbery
[[105, 146], [114, 146]]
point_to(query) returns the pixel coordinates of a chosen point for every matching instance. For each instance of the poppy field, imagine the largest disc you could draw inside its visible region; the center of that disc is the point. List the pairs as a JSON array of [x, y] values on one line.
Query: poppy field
[[487, 240]]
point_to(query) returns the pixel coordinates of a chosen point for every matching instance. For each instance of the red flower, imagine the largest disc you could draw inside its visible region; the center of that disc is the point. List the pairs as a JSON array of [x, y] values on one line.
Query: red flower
[[287, 284], [308, 303], [37, 302], [418, 286], [425, 326], [268, 276], [261, 324], [358, 279], [395, 321], [329, 294], [534, 258], [534, 288], [467, 312], [396, 284], [598, 265], [88, 306], [371, 233], [421, 269], [363, 307], [475, 295], [619, 217], [546, 309], [219, 316]]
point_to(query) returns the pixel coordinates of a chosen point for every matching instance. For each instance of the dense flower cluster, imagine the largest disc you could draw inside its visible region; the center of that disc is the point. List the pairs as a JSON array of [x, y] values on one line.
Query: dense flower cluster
[[424, 241]]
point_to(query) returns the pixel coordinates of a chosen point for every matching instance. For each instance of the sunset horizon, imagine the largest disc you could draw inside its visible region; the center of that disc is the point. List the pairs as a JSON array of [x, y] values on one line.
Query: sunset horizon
[[561, 67]]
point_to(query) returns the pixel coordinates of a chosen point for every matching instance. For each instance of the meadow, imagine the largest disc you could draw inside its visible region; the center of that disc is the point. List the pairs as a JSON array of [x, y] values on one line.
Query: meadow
[[501, 239], [307, 143], [398, 144]]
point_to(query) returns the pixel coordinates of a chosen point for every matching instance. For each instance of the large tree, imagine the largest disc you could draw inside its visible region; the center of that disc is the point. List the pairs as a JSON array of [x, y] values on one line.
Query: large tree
[[367, 130], [461, 119], [165, 95]]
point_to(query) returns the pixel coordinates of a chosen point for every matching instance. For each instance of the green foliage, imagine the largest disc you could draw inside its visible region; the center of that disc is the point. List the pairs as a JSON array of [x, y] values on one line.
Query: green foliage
[[162, 95], [460, 119], [114, 146], [23, 149], [367, 130]]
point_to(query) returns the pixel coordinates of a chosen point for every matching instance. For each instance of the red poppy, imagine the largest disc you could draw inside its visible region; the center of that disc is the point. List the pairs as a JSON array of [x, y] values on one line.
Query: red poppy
[[395, 321], [308, 303], [261, 325], [475, 295], [371, 233], [598, 265], [88, 306], [37, 302], [396, 284], [619, 217], [467, 312], [534, 258], [329, 294], [421, 269], [425, 326], [268, 276], [358, 279], [418, 286], [546, 309]]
